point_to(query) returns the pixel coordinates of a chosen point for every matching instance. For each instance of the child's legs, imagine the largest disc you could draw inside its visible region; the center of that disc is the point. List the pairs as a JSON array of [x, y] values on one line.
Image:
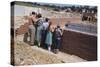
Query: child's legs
[[38, 43], [49, 47], [58, 44]]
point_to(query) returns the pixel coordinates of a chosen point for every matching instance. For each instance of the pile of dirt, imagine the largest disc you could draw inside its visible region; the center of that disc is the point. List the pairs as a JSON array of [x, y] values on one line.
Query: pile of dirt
[[26, 55]]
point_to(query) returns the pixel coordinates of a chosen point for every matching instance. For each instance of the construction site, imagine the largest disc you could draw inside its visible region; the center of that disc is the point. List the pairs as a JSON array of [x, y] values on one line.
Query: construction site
[[79, 39]]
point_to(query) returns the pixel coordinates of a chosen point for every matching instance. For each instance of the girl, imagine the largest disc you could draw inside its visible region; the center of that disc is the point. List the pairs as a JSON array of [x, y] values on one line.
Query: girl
[[48, 40]]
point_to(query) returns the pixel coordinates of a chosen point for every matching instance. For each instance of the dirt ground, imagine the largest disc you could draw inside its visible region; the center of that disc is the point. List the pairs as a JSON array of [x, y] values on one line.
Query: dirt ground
[[30, 55]]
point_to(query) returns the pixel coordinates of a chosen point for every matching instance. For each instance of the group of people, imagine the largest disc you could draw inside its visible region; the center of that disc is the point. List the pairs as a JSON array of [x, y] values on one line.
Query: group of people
[[41, 32]]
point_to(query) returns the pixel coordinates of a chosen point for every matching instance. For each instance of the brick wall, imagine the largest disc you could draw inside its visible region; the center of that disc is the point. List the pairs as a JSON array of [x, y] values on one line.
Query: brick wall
[[82, 45]]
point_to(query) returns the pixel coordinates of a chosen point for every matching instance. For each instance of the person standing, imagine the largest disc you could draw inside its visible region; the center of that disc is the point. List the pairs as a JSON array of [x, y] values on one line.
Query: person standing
[[44, 31], [31, 28], [57, 38], [48, 40], [39, 27]]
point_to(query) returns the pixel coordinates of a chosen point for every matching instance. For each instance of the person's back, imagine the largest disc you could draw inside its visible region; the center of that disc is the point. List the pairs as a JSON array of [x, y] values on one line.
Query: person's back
[[58, 33], [57, 38], [39, 23], [45, 25], [48, 40], [31, 27]]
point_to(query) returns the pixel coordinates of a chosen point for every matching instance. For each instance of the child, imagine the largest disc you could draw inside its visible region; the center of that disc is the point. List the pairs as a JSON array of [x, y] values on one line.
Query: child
[[48, 40], [57, 38]]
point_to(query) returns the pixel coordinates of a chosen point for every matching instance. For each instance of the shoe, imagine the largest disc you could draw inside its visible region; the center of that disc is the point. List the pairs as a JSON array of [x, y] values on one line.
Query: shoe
[[56, 51]]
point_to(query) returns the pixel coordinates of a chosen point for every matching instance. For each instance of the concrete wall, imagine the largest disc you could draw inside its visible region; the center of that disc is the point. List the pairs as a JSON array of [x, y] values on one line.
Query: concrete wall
[[82, 45]]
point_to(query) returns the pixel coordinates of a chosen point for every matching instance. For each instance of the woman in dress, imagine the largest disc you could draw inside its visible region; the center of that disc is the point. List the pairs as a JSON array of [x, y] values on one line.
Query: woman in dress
[[48, 40]]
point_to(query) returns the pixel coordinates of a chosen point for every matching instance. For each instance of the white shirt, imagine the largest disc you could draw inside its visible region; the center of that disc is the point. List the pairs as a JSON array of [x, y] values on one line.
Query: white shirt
[[45, 25]]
